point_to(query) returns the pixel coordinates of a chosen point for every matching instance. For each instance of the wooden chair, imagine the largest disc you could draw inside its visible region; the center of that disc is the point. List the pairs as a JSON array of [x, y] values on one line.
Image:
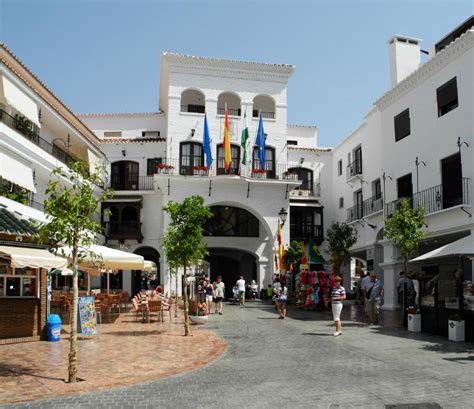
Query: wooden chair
[[166, 306], [154, 306], [135, 307], [98, 310], [124, 300], [114, 301]]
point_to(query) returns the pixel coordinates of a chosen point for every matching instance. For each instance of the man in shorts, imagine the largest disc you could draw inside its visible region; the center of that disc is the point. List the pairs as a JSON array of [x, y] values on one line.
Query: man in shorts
[[219, 291], [241, 288]]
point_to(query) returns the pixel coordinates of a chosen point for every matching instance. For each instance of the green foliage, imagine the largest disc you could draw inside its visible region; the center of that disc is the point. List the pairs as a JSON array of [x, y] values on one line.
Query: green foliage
[[404, 229], [183, 240], [341, 237], [14, 192], [293, 255]]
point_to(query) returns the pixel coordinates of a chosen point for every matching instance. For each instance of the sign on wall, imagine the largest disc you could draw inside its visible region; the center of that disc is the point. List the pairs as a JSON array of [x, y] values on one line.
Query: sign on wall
[[87, 316]]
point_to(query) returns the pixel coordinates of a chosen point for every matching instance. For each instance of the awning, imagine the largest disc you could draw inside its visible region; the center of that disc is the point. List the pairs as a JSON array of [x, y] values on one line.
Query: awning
[[12, 95], [107, 258], [34, 258], [17, 172], [149, 266], [462, 247]]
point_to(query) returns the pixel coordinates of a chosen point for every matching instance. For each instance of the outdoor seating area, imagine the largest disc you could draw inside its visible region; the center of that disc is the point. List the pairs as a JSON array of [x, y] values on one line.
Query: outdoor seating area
[[151, 302]]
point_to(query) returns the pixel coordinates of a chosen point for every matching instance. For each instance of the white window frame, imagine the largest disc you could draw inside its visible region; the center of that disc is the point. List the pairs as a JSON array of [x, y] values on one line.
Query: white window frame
[[3, 293]]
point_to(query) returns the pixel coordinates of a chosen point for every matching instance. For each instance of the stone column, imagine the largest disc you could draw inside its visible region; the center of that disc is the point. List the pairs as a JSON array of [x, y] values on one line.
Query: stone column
[[391, 268]]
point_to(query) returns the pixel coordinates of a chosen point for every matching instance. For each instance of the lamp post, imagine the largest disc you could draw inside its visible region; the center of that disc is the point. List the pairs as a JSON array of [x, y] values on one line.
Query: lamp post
[[418, 163], [282, 214]]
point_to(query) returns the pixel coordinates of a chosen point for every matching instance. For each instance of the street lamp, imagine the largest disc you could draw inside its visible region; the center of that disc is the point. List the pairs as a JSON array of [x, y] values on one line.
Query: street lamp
[[283, 215]]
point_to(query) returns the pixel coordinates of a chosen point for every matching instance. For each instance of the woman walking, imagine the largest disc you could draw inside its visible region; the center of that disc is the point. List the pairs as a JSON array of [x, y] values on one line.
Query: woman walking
[[219, 291], [338, 295], [282, 298], [209, 289]]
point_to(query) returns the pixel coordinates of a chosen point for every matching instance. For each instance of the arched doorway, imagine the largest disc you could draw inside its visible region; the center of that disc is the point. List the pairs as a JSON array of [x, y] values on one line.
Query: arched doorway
[[230, 264], [150, 254]]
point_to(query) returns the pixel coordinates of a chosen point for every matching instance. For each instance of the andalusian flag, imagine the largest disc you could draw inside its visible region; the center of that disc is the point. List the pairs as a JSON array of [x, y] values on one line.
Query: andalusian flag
[[226, 143], [244, 139]]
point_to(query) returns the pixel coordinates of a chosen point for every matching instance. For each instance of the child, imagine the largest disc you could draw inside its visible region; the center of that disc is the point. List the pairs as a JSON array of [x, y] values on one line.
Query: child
[[269, 291]]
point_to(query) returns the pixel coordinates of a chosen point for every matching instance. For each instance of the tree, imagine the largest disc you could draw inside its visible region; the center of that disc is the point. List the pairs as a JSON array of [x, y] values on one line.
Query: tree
[[404, 229], [183, 244], [341, 237], [293, 255], [72, 205]]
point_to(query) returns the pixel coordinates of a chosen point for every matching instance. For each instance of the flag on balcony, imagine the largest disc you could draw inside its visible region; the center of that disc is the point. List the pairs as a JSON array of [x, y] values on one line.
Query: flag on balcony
[[261, 143], [281, 250], [244, 139], [226, 142], [206, 143]]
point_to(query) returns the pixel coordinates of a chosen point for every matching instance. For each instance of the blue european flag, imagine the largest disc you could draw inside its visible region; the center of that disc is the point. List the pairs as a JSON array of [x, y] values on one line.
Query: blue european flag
[[261, 143], [207, 143]]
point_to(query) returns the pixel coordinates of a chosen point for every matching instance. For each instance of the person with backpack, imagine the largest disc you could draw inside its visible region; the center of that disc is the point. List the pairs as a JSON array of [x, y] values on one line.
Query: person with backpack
[[373, 292]]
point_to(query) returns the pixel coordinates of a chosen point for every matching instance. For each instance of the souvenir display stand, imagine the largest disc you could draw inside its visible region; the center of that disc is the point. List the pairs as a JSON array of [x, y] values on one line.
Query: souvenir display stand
[[313, 288]]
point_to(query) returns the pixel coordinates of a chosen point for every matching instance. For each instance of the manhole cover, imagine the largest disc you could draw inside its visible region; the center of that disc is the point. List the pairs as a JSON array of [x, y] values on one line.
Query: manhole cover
[[423, 405]]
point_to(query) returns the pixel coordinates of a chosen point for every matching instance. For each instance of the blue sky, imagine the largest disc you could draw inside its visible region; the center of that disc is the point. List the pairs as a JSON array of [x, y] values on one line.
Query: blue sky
[[103, 56]]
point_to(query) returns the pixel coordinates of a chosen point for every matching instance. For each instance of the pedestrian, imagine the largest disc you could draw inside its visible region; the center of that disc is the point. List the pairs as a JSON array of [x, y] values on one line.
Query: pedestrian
[[364, 282], [359, 291], [406, 291], [241, 288], [373, 293], [338, 295], [219, 292], [269, 291], [281, 300], [209, 290]]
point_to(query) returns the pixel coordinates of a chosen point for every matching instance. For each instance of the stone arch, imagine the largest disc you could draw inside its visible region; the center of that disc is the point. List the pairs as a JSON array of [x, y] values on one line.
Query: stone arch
[[151, 254], [265, 104], [233, 102], [193, 100]]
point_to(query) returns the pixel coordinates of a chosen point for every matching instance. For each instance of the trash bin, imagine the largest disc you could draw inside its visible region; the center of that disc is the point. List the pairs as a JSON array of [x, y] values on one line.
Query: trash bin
[[53, 327]]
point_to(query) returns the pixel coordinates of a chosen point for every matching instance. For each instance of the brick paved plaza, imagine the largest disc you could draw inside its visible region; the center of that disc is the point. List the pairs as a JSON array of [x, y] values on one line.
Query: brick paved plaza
[[297, 363]]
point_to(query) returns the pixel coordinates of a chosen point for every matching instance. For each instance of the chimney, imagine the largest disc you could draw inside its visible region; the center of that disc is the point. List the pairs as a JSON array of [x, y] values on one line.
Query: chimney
[[405, 57]]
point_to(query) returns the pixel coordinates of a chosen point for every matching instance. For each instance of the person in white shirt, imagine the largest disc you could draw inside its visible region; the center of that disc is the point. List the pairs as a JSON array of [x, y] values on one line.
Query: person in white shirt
[[241, 287]]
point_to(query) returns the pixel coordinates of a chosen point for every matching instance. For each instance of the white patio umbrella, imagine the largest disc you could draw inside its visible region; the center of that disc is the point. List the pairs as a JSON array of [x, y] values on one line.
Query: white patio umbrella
[[461, 247], [104, 259]]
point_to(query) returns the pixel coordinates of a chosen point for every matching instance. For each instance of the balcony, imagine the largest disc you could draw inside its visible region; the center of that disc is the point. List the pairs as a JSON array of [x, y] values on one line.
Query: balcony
[[280, 171], [433, 199], [31, 133], [372, 205], [230, 111], [354, 169], [306, 232], [131, 230], [132, 182], [355, 213], [265, 115]]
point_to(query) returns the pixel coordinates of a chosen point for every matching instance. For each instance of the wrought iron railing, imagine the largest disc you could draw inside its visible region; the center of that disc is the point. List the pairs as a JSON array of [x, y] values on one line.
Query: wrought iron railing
[[195, 167], [355, 213], [354, 169], [132, 182], [265, 115], [31, 133], [193, 109], [433, 199], [230, 111], [306, 231], [372, 205], [128, 228]]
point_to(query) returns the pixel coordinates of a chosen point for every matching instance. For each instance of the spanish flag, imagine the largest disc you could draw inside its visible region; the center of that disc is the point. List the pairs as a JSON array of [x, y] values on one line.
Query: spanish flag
[[281, 250], [226, 143]]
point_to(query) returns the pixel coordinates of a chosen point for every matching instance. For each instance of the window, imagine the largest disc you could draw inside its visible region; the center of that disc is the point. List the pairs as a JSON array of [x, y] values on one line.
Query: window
[[231, 222], [151, 134], [151, 165], [269, 161], [197, 109], [447, 96], [376, 189], [305, 175], [124, 175], [17, 282], [339, 167], [292, 143], [191, 155], [402, 125], [112, 134], [306, 223], [234, 164], [341, 202], [193, 100]]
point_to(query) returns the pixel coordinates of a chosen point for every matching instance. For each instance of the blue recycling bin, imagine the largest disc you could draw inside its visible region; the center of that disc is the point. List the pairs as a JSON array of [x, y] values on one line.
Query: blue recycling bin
[[53, 327]]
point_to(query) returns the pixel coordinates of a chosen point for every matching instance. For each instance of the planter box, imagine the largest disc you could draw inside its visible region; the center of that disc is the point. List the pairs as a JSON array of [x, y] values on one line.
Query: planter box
[[414, 322], [198, 319], [456, 331]]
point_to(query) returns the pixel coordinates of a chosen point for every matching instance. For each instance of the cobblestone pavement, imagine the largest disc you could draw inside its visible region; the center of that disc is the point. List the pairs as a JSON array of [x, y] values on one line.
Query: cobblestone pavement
[[297, 363]]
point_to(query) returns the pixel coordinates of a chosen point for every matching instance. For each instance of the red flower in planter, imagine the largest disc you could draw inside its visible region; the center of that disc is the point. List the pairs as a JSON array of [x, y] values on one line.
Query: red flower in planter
[[201, 168], [259, 171], [164, 166]]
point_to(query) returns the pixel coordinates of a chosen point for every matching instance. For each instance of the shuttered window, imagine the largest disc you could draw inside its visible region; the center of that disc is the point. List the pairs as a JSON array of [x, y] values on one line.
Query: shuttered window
[[402, 125], [447, 96]]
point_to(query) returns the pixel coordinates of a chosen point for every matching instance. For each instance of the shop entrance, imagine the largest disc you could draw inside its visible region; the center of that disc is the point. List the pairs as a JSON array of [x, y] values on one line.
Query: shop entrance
[[230, 264]]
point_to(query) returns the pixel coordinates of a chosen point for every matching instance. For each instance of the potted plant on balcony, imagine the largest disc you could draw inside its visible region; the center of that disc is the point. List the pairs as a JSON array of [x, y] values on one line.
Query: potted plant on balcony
[[200, 170], [290, 175], [414, 319], [456, 328], [259, 173], [164, 168]]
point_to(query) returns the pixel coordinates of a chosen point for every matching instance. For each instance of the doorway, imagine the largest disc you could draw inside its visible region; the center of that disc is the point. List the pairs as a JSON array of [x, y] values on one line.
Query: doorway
[[405, 187], [451, 178]]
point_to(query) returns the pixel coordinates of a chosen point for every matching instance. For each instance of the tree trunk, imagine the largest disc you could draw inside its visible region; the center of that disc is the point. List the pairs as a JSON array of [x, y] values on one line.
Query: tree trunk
[[186, 319], [72, 367], [176, 274]]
